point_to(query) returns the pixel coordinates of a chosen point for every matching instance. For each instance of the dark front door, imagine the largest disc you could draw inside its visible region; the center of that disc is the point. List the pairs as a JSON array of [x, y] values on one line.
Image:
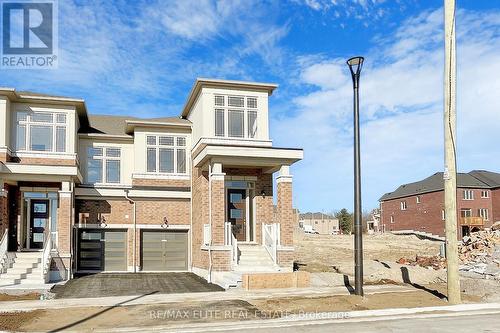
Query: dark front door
[[102, 250], [236, 212], [39, 222]]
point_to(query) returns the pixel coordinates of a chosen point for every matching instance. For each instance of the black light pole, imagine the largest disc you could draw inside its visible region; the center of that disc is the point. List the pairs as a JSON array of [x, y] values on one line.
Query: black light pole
[[355, 65]]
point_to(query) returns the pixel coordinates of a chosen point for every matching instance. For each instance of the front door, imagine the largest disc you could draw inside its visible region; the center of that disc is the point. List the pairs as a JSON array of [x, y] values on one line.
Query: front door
[[237, 212], [39, 222]]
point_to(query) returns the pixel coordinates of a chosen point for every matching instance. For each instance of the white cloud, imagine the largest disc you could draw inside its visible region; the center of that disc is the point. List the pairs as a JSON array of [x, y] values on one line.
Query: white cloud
[[401, 111]]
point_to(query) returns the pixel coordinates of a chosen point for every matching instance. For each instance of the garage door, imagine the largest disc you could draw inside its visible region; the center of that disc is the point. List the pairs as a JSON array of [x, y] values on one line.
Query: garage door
[[164, 251], [102, 250]]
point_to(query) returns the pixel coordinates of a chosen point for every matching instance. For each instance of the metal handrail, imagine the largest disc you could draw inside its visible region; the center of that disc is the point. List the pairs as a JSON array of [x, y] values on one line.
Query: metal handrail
[[3, 251], [46, 256]]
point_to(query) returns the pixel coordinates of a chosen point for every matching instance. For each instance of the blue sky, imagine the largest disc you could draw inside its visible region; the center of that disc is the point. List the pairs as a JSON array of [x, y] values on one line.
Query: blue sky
[[141, 58]]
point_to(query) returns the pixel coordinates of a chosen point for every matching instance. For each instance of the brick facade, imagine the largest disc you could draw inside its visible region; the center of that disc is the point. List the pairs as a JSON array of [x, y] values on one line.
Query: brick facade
[[200, 217], [426, 216], [64, 223], [181, 183], [285, 212], [43, 161], [4, 209]]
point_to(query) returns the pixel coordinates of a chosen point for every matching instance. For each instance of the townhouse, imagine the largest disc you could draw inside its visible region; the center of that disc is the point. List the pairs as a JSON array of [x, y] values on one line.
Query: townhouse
[[419, 206], [86, 193]]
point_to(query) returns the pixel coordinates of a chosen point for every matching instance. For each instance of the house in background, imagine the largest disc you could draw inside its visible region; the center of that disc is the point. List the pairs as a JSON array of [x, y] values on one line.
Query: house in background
[[419, 206], [324, 224], [373, 223], [87, 193]]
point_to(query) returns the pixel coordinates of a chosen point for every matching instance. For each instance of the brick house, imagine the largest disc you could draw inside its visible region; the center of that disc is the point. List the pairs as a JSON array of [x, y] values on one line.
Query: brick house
[[419, 206], [324, 224], [85, 193]]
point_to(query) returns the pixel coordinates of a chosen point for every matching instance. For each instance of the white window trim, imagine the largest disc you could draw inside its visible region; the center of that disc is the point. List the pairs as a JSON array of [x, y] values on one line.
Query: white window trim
[[485, 192], [226, 108], [28, 123], [467, 197], [175, 147], [104, 158], [404, 205], [481, 211], [419, 200]]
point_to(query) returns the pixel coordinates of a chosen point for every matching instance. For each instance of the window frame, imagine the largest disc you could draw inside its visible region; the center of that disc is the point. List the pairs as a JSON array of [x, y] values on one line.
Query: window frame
[[56, 124], [485, 194], [104, 158], [468, 197], [419, 199], [221, 103], [404, 205], [175, 147], [481, 213]]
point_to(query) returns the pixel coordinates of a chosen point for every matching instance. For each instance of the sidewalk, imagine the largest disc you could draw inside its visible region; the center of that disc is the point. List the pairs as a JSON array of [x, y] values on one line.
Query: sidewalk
[[152, 299]]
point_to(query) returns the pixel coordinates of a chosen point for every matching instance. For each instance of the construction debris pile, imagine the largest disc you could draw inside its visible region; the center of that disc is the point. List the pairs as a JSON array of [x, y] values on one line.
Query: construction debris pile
[[435, 262], [479, 254]]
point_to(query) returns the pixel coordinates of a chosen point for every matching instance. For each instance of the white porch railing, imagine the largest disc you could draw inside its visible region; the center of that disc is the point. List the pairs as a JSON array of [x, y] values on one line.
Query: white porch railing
[[207, 234], [3, 252], [271, 239], [229, 239], [46, 257]]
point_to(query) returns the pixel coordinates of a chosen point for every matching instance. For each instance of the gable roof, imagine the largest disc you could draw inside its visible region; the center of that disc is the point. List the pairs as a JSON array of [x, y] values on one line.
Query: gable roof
[[116, 125], [316, 216], [492, 179], [436, 183]]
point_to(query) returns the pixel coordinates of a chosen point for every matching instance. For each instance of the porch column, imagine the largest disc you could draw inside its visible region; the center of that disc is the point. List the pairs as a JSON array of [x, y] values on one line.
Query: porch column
[[4, 212], [285, 217], [65, 224], [217, 203]]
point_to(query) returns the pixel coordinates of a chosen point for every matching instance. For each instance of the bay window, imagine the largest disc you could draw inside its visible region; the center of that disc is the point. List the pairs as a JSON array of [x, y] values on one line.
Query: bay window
[[166, 154], [235, 116], [103, 165], [41, 131]]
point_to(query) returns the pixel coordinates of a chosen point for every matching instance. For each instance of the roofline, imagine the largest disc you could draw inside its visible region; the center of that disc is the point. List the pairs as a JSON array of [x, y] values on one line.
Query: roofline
[[79, 103], [193, 94], [434, 190], [131, 124], [106, 136]]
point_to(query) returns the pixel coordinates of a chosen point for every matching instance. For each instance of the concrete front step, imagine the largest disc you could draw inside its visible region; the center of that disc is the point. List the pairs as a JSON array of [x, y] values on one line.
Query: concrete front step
[[22, 270]]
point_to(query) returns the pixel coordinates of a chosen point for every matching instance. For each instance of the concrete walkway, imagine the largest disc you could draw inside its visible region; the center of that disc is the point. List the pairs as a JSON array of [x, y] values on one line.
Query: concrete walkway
[[239, 294]]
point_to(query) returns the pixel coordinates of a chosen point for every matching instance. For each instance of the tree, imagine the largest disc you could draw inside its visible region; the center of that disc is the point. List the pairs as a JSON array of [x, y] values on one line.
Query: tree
[[345, 220]]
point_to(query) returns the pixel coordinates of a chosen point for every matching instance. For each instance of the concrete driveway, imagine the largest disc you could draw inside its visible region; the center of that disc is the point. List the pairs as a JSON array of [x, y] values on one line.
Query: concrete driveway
[[128, 284]]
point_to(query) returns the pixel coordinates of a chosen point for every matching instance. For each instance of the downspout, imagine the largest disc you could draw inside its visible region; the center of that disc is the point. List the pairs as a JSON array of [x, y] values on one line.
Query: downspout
[[135, 231], [209, 278]]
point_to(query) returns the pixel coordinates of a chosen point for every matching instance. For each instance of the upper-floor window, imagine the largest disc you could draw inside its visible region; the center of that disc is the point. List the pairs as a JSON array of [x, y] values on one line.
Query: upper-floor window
[[468, 195], [485, 194], [483, 212], [465, 212], [235, 116], [103, 165], [166, 154], [404, 205], [41, 131], [419, 200]]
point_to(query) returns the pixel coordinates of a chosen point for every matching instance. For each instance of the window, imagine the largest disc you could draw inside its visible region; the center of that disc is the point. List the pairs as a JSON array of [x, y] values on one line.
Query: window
[[166, 154], [235, 124], [392, 219], [219, 122], [235, 116], [443, 215], [403, 205], [483, 212], [468, 195], [103, 165], [485, 194], [466, 212], [41, 131], [418, 199]]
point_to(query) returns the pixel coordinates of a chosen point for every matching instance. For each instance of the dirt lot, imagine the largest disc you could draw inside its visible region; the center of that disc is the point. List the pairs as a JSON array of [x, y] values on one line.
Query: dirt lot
[[22, 297], [88, 318], [331, 257]]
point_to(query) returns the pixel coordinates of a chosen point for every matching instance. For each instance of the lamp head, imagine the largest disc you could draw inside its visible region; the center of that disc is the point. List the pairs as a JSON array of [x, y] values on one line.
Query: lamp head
[[355, 65]]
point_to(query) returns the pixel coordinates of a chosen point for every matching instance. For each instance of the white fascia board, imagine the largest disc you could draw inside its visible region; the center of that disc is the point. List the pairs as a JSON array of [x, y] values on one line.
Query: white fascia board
[[92, 192], [259, 154], [34, 169]]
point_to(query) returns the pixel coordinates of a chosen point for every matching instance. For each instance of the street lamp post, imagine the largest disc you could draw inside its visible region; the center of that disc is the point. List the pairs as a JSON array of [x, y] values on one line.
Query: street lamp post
[[355, 65]]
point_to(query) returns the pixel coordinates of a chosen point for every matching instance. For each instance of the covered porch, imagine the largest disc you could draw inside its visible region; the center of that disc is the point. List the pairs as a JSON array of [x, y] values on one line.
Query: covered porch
[[241, 228]]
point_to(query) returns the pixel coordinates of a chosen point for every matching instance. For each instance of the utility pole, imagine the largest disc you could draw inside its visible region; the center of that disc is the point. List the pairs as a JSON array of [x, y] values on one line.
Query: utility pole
[[450, 164]]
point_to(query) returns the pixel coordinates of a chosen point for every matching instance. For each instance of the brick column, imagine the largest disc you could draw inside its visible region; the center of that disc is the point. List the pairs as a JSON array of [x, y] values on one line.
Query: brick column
[[65, 224], [285, 217], [221, 259], [4, 211]]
